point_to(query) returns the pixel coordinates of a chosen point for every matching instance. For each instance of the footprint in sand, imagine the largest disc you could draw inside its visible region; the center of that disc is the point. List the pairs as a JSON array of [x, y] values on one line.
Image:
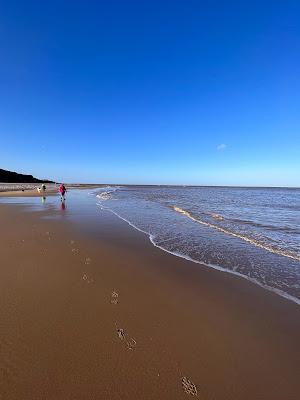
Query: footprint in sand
[[87, 279], [123, 336], [131, 343], [75, 251], [48, 235], [87, 261], [114, 298], [188, 386]]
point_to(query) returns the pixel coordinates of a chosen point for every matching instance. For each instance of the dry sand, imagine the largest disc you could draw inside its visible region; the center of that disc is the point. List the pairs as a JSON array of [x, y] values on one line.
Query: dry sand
[[100, 313]]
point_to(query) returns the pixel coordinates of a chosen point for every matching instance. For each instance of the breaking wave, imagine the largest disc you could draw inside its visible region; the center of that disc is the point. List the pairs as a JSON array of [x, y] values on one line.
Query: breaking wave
[[104, 196], [107, 194], [237, 235]]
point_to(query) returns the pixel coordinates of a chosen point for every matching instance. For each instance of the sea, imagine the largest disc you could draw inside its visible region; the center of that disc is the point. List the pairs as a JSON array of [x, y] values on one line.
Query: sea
[[250, 232]]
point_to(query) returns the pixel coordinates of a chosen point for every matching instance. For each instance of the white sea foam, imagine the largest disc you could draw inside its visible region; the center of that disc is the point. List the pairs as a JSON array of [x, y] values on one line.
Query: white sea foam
[[237, 235], [107, 193], [218, 217], [216, 267], [104, 196]]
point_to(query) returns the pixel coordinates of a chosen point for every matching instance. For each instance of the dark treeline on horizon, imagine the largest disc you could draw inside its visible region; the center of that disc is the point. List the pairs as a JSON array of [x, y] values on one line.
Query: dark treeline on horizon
[[14, 177]]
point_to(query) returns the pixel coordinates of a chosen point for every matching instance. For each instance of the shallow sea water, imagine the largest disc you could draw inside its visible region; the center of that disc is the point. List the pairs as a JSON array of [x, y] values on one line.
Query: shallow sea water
[[251, 232]]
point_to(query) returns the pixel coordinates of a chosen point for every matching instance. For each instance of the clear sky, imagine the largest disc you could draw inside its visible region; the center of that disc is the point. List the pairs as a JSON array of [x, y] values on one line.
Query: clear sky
[[176, 92]]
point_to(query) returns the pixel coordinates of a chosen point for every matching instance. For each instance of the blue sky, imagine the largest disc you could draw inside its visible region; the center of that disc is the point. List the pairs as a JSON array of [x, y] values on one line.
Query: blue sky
[[177, 92]]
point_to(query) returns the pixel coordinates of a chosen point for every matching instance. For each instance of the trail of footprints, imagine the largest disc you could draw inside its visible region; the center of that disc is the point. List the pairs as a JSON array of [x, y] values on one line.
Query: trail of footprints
[[122, 335], [114, 299], [74, 250], [85, 277], [8, 364], [187, 385]]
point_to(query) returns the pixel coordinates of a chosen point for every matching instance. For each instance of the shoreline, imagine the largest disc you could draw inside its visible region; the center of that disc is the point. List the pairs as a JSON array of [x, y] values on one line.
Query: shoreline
[[215, 267], [181, 321]]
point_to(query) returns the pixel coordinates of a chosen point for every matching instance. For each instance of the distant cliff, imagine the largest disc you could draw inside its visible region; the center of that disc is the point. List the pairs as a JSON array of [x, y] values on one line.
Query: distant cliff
[[14, 177]]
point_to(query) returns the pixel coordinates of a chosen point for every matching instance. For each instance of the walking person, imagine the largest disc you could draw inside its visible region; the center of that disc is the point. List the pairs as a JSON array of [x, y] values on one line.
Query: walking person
[[62, 190]]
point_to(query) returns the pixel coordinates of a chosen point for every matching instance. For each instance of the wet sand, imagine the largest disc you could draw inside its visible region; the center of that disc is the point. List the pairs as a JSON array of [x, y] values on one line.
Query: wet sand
[[28, 193], [30, 190], [91, 310]]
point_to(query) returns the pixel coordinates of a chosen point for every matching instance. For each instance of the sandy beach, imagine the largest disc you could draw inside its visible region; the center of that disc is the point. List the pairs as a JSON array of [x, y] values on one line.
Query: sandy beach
[[91, 310], [30, 190]]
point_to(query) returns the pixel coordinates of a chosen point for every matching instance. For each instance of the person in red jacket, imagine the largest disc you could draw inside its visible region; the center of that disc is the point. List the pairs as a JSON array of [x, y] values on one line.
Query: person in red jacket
[[62, 190]]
